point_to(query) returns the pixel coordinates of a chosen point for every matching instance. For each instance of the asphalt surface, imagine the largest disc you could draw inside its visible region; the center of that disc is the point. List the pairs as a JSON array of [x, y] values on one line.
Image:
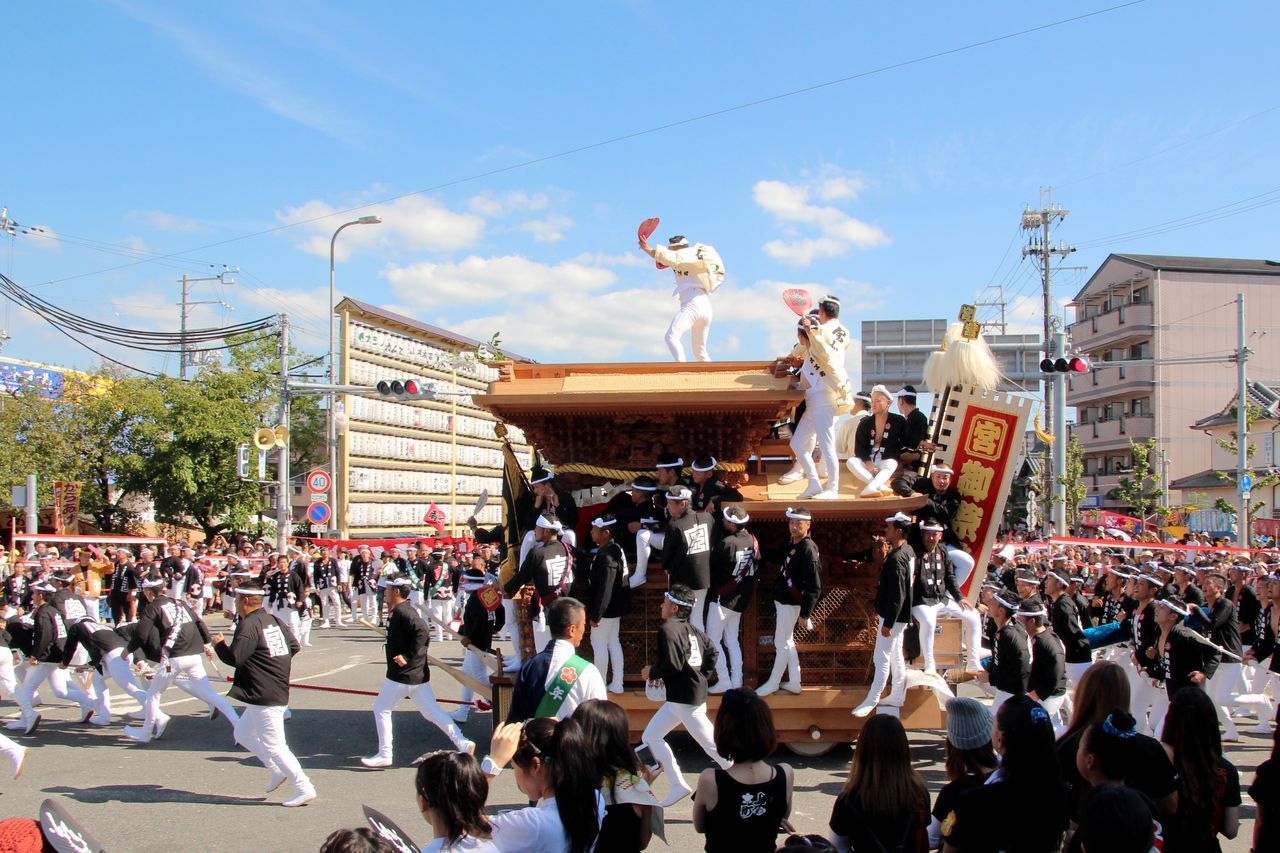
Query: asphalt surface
[[195, 789]]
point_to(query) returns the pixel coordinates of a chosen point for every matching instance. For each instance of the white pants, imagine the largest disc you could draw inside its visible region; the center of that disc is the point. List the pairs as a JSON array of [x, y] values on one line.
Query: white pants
[[1256, 676], [541, 633], [473, 666], [117, 668], [1147, 694], [331, 605], [890, 664], [187, 673], [1053, 707], [694, 314], [196, 603], [722, 626], [962, 562], [368, 604], [818, 426], [696, 619], [927, 615], [442, 609], [606, 650], [1222, 688], [695, 722], [8, 678], [260, 729], [511, 629], [786, 660], [423, 699], [872, 475], [645, 539], [63, 687]]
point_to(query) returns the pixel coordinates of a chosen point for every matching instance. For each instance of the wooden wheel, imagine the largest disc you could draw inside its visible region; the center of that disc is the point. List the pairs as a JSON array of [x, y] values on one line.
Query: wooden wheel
[[811, 748]]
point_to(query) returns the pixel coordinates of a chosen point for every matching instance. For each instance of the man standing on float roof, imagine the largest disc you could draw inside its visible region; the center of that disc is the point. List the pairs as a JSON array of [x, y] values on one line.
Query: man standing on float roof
[[699, 271], [821, 346]]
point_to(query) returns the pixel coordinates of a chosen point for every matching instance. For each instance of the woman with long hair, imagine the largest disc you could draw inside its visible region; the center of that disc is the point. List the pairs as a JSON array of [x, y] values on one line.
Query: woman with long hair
[[1209, 800], [1023, 806], [451, 794], [554, 766], [741, 809], [885, 803], [969, 758], [628, 801]]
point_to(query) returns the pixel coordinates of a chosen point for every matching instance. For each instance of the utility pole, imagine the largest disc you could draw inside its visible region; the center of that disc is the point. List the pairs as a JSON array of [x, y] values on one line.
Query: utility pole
[[1058, 489], [1000, 303], [183, 358], [1164, 479], [1042, 248], [284, 496], [1242, 428]]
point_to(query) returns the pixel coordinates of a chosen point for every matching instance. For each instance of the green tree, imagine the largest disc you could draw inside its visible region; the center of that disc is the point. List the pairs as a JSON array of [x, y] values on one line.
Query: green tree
[[1141, 489], [1073, 481], [1231, 445]]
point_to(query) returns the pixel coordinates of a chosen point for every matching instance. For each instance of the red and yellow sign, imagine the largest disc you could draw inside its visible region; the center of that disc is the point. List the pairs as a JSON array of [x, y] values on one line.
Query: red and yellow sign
[[66, 507]]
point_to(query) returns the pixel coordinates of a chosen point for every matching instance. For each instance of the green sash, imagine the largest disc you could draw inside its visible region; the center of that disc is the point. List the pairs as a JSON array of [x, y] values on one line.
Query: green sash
[[558, 690]]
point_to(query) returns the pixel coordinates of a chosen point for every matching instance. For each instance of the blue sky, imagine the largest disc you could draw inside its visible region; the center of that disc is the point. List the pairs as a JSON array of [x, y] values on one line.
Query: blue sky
[[157, 129]]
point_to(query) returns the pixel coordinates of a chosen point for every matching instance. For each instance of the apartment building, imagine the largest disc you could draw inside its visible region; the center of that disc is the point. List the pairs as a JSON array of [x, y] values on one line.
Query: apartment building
[[1151, 309], [894, 352]]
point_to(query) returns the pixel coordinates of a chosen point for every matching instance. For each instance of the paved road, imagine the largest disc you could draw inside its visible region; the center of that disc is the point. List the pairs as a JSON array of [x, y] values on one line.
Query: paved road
[[198, 786]]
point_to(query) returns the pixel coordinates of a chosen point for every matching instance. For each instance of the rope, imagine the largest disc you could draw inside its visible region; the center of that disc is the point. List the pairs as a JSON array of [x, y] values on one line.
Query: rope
[[619, 474]]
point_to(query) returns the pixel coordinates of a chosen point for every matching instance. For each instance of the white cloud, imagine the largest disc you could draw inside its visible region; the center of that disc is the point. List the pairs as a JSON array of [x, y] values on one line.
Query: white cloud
[[548, 230], [494, 205], [604, 259], [475, 280], [163, 221], [791, 204], [412, 223]]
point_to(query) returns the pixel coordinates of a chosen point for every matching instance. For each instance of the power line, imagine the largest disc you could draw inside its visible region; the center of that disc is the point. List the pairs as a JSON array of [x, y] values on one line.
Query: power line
[[1213, 214], [636, 134]]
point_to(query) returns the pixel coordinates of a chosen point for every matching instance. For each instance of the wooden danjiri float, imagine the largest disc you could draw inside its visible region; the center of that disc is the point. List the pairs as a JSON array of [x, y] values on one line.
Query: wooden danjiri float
[[602, 424]]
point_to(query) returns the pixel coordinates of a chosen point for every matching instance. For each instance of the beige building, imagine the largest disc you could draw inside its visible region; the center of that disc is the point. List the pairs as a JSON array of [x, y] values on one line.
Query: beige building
[[1152, 309]]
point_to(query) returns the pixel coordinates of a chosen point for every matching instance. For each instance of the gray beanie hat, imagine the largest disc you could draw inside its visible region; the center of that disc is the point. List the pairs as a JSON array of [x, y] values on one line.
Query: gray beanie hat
[[968, 723]]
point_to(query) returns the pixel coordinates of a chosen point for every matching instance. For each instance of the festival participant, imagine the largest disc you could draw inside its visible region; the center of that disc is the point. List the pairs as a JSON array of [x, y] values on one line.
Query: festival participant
[[1047, 681], [1224, 631], [935, 592], [1148, 687], [686, 552], [408, 675], [172, 636], [1262, 653], [545, 499], [1209, 799], [262, 653], [1083, 609], [105, 648], [609, 600], [795, 595], [549, 567], [684, 656], [740, 809], [709, 493], [917, 443], [629, 803], [651, 534], [1065, 620], [879, 444], [300, 589], [363, 574], [1184, 580], [1011, 652], [438, 592], [16, 753], [1023, 805], [820, 350], [969, 758], [893, 609], [635, 512], [325, 581], [884, 804], [44, 662], [698, 272], [733, 581], [451, 793], [1185, 659], [944, 503], [556, 680], [482, 618]]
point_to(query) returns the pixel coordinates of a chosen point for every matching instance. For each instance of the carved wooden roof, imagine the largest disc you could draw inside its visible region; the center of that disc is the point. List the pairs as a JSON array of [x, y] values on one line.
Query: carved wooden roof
[[624, 415]]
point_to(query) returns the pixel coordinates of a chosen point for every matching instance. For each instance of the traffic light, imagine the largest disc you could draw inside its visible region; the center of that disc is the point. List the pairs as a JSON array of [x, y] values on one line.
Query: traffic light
[[242, 461], [407, 389], [1074, 364]]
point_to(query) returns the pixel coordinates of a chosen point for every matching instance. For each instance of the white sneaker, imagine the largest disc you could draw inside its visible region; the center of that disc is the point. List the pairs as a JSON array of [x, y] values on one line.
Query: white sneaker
[[827, 495], [792, 687], [813, 490], [137, 733], [863, 710], [277, 779], [790, 477], [376, 761], [324, 624], [679, 790], [1263, 728], [616, 688], [161, 724], [304, 796], [460, 715], [720, 687]]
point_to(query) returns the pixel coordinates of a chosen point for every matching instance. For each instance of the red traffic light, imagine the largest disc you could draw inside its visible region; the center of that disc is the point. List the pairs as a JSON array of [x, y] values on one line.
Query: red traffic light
[[1078, 364], [1075, 364], [411, 387]]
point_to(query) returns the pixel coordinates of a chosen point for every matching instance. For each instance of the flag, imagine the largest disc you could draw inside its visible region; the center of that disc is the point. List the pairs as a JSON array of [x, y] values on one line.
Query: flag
[[435, 517], [515, 492]]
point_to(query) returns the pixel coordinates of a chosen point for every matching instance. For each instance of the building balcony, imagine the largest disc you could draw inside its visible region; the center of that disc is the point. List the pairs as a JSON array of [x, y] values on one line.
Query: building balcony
[[1105, 383], [1110, 327], [1115, 431]]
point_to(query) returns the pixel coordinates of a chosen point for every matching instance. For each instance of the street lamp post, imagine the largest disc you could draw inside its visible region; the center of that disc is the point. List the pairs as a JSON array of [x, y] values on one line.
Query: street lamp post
[[333, 397]]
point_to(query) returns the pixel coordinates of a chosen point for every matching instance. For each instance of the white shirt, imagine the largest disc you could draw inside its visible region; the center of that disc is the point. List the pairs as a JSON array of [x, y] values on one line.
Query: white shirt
[[465, 843], [590, 685], [536, 829], [692, 276], [344, 570]]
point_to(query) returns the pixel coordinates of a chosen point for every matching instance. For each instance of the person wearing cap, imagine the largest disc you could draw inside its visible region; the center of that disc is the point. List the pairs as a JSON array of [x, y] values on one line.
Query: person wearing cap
[[1187, 661], [1224, 631], [542, 499], [970, 759], [935, 593], [636, 514], [686, 550], [893, 611], [709, 493], [879, 444], [820, 350], [1047, 682], [944, 503], [1147, 689], [683, 657], [734, 564], [172, 636], [549, 567], [408, 675], [698, 271], [608, 601], [45, 661], [917, 443], [795, 594], [262, 652], [482, 618], [1010, 652]]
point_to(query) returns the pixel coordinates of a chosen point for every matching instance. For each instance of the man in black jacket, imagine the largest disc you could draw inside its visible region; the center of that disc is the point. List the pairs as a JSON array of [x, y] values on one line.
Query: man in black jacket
[[262, 652], [124, 588], [1224, 630], [944, 503], [734, 564], [795, 594], [45, 661], [609, 599], [106, 654], [1047, 681], [878, 443], [549, 567], [683, 658], [916, 443], [482, 618], [686, 552], [1187, 660], [935, 593], [893, 607], [324, 573], [1148, 687], [709, 493], [1011, 653], [407, 674]]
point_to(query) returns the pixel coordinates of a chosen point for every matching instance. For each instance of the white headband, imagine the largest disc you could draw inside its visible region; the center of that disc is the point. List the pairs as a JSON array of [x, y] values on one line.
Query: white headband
[[599, 521], [800, 514], [710, 467], [1175, 608], [669, 597], [899, 518], [549, 523]]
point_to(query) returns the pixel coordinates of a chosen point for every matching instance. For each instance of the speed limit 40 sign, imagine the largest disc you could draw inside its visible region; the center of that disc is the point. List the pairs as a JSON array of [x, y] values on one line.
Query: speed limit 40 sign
[[319, 480]]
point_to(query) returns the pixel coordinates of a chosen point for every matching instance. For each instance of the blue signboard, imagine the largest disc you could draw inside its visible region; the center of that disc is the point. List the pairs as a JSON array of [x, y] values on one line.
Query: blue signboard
[[18, 376]]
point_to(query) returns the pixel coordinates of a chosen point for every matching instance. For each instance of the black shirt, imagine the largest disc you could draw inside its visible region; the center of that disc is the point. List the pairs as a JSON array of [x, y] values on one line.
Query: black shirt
[[935, 578], [1065, 620], [610, 596], [999, 816], [124, 578], [891, 440], [799, 579], [711, 495], [1146, 636], [407, 635], [96, 638], [734, 564], [1247, 608], [908, 831], [628, 512], [917, 431], [941, 508], [1048, 666], [683, 658], [479, 624], [686, 552], [893, 592], [1265, 791], [1185, 653], [262, 652], [1224, 628], [1011, 659], [549, 567], [1149, 769], [1192, 830], [746, 818]]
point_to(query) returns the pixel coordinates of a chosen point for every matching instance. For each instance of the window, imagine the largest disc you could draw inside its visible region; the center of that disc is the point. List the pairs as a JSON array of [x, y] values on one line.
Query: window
[[1142, 350], [1141, 407], [1141, 296]]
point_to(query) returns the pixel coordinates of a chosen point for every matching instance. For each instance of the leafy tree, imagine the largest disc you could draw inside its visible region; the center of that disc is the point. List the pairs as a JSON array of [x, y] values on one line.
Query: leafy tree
[[1073, 481], [1141, 489]]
